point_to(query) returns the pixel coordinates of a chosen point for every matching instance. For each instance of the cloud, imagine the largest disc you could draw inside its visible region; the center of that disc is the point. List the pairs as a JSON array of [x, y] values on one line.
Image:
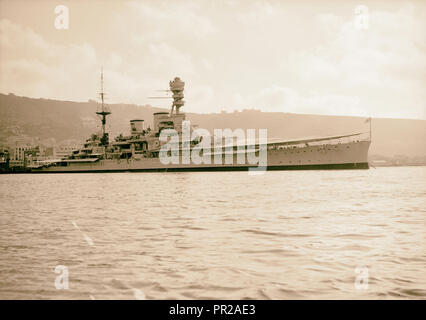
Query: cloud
[[231, 54], [171, 18], [383, 65], [162, 41], [31, 66], [200, 98], [285, 99], [257, 13]]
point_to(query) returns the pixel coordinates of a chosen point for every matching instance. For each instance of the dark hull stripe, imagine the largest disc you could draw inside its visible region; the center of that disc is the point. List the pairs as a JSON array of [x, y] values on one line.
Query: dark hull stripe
[[339, 166]]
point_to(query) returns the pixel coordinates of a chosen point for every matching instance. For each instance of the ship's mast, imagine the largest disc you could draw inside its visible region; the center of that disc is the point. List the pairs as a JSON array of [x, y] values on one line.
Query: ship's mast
[[103, 113]]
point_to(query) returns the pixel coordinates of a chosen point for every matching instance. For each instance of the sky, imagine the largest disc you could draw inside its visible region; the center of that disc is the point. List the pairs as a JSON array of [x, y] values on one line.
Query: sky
[[276, 56]]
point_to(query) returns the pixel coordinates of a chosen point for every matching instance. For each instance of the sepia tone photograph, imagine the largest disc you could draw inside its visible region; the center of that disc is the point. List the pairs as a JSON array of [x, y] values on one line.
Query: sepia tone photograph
[[212, 150]]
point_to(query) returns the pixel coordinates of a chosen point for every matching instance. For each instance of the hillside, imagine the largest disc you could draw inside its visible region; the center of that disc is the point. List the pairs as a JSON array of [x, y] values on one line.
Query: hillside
[[63, 120]]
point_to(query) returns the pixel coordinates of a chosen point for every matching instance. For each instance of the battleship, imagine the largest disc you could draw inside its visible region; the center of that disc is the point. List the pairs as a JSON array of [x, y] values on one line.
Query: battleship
[[140, 151]]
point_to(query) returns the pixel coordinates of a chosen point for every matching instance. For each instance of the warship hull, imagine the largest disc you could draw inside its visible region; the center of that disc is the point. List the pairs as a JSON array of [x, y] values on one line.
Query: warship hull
[[351, 155]]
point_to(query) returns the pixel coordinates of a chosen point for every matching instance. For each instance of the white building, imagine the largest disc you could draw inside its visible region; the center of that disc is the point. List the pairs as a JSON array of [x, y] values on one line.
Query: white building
[[18, 152]]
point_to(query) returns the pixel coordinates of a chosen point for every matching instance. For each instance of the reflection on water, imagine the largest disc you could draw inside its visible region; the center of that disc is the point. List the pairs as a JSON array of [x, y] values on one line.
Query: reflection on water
[[226, 235]]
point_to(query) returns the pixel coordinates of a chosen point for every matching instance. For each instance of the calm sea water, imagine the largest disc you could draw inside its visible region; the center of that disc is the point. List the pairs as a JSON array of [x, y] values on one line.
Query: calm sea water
[[284, 235]]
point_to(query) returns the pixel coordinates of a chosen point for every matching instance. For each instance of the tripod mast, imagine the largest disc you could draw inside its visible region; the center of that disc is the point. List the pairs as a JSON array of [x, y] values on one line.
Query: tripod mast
[[103, 113]]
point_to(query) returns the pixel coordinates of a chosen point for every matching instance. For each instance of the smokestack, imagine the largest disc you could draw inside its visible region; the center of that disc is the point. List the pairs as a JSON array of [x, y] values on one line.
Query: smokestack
[[158, 116], [136, 127]]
